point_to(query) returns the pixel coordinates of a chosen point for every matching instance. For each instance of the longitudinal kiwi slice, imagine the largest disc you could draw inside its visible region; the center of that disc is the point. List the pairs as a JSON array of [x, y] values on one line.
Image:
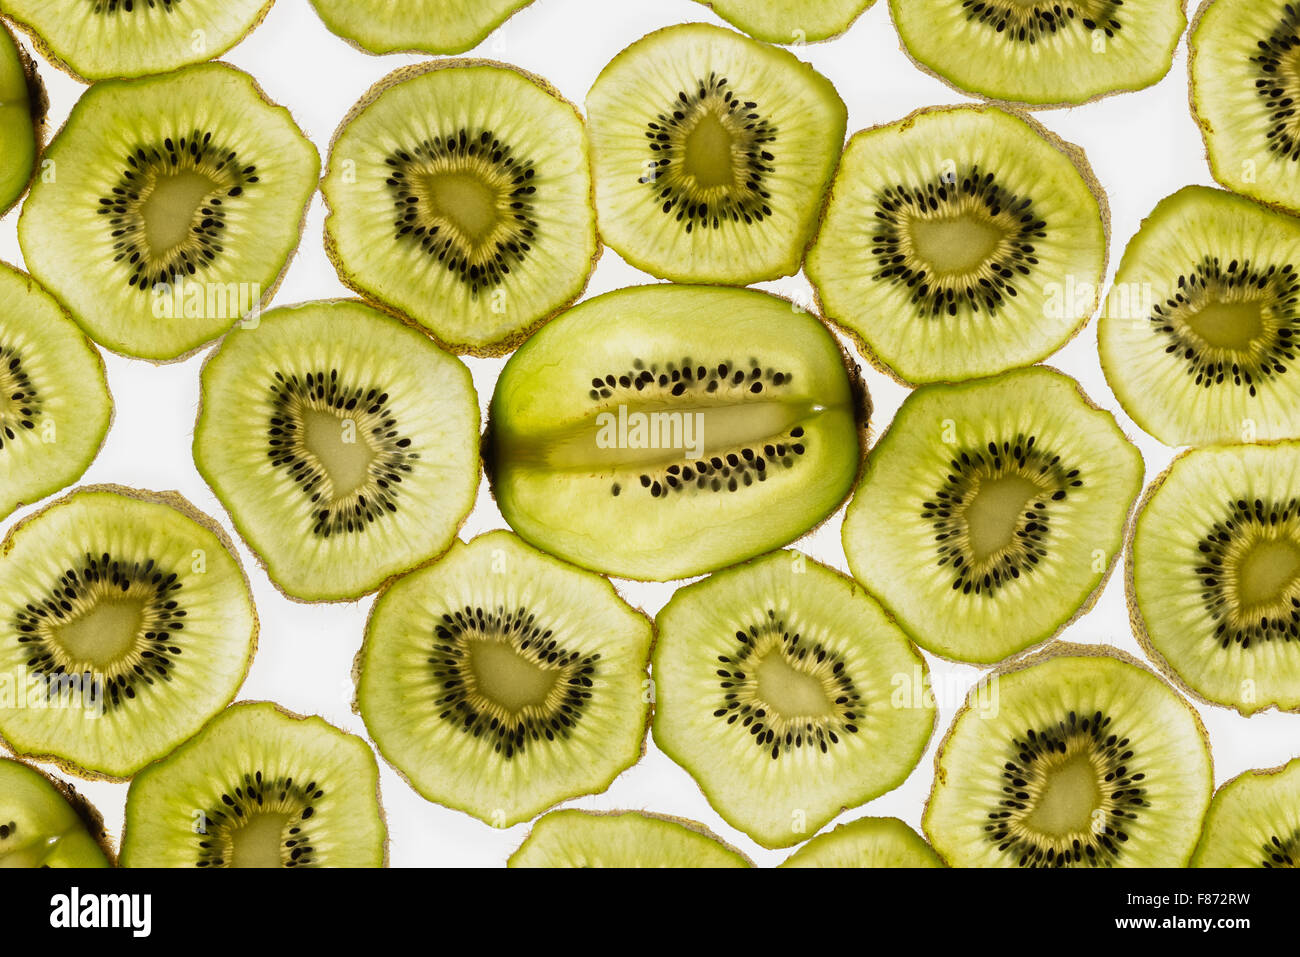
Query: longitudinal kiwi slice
[[426, 26], [866, 842], [45, 823], [1254, 821], [1042, 52], [788, 694], [712, 152], [1214, 574], [1076, 757], [500, 681], [1198, 333], [259, 787], [99, 39], [790, 21], [22, 119], [343, 443], [177, 202], [54, 402], [666, 431], [125, 624], [623, 839], [961, 241], [460, 197]]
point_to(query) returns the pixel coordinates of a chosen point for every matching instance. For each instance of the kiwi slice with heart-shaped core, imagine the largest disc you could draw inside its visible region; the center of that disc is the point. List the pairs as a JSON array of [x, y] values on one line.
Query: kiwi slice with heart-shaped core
[[1075, 757], [991, 512], [460, 198], [959, 242], [642, 416], [344, 444], [423, 26], [125, 623], [45, 823], [790, 21], [22, 119], [623, 839], [176, 206], [866, 842], [500, 681], [712, 153], [259, 787], [1198, 333], [1254, 821]]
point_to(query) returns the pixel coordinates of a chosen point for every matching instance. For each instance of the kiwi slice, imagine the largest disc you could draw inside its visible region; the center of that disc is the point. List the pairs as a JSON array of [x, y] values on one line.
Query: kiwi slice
[[101, 39], [125, 623], [1074, 757], [1041, 52], [990, 513], [178, 201], [644, 416], [500, 681], [866, 842], [55, 407], [45, 823], [259, 787], [1214, 574], [623, 839], [788, 694], [22, 119], [416, 26], [460, 198], [1254, 821], [790, 21], [712, 153], [1198, 333], [343, 443]]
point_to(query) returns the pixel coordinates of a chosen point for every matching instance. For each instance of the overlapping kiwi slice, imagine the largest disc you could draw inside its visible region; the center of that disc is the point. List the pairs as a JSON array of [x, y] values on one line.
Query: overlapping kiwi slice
[[959, 242], [788, 694], [1042, 52], [866, 842], [460, 198], [991, 511], [125, 623], [643, 416], [259, 787], [1214, 574], [1075, 757], [500, 681], [712, 153], [45, 823], [623, 839], [343, 443], [99, 39], [22, 119], [177, 202], [1198, 334], [790, 21], [1254, 821], [426, 26], [55, 406]]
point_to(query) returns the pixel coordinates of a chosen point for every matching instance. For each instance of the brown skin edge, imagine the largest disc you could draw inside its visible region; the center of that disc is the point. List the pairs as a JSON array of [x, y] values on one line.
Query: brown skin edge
[[39, 103], [685, 822], [90, 817]]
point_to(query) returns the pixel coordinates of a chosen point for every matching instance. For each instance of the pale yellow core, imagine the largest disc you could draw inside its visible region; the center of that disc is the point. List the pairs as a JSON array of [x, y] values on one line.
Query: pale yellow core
[[955, 244], [994, 511], [507, 678], [1070, 795], [1267, 571], [465, 201], [170, 208], [707, 153], [340, 447], [259, 841], [791, 692], [104, 634], [1228, 325]]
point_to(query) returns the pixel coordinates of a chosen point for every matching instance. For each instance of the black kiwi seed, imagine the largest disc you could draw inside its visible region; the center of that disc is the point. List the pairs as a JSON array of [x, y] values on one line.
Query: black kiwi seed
[[1275, 53], [255, 794], [127, 6], [19, 402], [6, 830], [1030, 23], [1282, 852]]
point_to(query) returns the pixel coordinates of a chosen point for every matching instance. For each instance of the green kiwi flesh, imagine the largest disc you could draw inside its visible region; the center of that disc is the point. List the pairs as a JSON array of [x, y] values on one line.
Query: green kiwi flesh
[[45, 823], [623, 839], [424, 26], [790, 21], [866, 842], [1254, 821], [22, 119]]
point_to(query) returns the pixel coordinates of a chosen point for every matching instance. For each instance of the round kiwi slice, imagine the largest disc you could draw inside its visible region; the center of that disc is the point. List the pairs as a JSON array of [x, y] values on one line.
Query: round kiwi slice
[[500, 681], [177, 203], [125, 623], [1214, 574], [1198, 333], [788, 694], [99, 39], [1075, 757], [712, 153], [45, 823], [343, 443], [790, 21], [55, 407], [415, 26], [1042, 52], [460, 197], [643, 416], [866, 842], [959, 242], [259, 787], [1254, 821], [623, 839], [22, 119], [991, 512]]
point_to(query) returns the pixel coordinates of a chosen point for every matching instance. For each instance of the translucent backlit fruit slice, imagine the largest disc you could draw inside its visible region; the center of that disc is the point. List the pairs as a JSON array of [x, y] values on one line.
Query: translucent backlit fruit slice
[[623, 839], [866, 842], [790, 21], [426, 26], [22, 119], [1254, 821], [45, 823]]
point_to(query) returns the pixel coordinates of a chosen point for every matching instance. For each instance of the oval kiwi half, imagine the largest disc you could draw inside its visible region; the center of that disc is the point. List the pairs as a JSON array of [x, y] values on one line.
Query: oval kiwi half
[[424, 26], [1254, 821], [623, 839], [45, 823]]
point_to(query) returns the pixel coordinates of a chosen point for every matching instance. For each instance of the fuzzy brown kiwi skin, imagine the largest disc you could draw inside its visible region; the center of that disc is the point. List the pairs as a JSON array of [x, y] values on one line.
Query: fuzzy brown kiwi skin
[[685, 822], [512, 341], [183, 505], [39, 103], [90, 817], [1072, 151]]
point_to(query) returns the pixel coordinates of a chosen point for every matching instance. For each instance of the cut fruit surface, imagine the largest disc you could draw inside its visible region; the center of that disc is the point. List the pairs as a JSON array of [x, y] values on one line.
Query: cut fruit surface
[[623, 839], [425, 26], [44, 823], [991, 511], [644, 416], [866, 842], [22, 119], [1254, 821], [790, 21]]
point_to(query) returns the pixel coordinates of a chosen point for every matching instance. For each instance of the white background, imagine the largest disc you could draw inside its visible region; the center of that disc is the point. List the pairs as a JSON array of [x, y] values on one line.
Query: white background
[[1142, 147]]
